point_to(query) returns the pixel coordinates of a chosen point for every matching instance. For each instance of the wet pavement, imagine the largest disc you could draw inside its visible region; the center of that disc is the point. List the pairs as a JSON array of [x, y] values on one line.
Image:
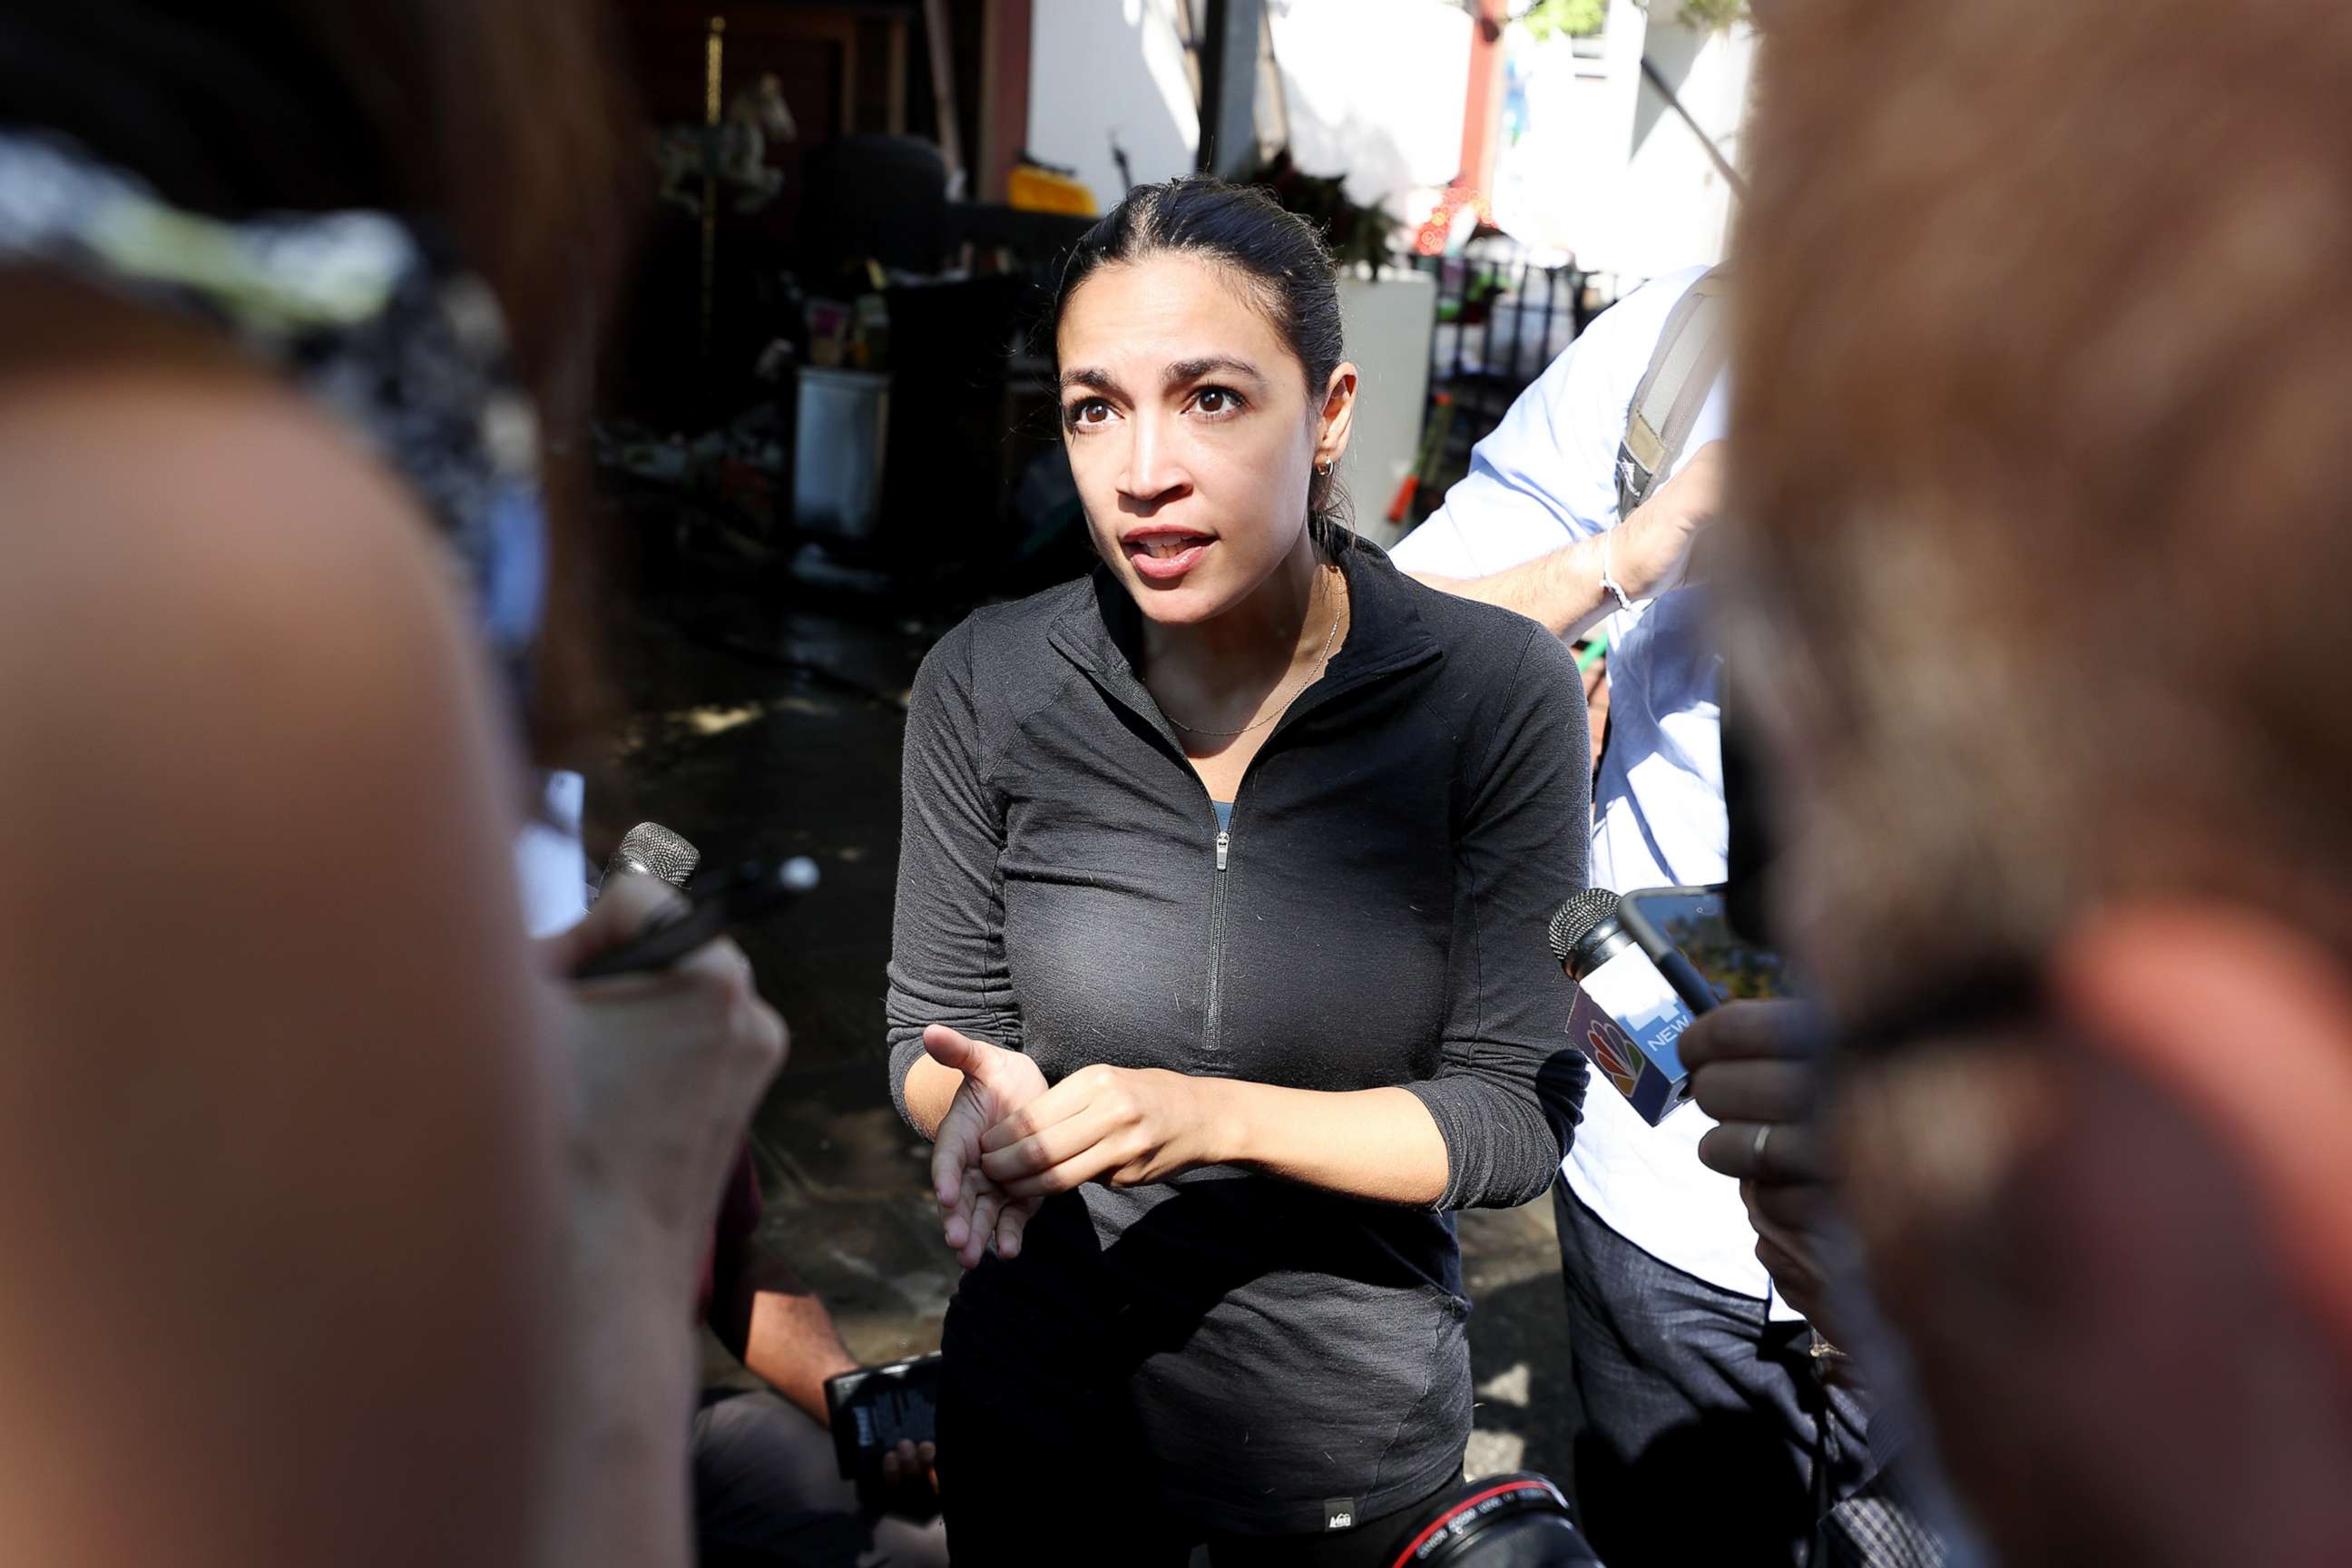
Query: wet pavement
[[758, 730]]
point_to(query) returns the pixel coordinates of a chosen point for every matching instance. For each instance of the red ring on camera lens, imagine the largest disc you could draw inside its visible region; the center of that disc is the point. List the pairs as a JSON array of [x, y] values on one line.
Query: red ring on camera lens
[[1517, 1484]]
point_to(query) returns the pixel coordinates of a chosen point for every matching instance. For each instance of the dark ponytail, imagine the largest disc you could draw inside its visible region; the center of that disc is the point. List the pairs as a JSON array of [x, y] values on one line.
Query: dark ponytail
[[1288, 268]]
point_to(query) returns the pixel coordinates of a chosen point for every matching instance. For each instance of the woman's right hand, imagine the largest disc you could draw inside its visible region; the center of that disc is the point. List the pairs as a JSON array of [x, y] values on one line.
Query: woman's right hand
[[996, 1083]]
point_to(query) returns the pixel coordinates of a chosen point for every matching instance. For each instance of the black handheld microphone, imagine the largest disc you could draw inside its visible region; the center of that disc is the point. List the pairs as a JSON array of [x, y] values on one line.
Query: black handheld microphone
[[649, 850], [734, 898], [1628, 1014], [1585, 933], [742, 894]]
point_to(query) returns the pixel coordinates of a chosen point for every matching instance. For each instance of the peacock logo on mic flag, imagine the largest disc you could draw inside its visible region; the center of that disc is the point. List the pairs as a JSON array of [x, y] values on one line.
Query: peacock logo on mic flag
[[1614, 1052]]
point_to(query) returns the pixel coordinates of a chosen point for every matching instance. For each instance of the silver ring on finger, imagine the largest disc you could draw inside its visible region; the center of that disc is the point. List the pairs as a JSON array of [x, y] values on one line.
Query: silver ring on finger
[[1756, 1150]]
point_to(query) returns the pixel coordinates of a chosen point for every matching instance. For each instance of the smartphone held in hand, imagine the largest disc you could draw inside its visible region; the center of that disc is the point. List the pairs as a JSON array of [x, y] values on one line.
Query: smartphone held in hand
[[873, 1409], [1686, 927]]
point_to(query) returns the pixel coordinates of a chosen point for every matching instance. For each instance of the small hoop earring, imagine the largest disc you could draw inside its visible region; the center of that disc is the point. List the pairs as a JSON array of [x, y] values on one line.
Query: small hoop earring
[[1323, 471]]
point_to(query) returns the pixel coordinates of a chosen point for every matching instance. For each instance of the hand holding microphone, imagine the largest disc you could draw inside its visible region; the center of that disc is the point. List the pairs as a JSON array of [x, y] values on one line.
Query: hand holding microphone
[[1650, 1021], [1753, 1068], [661, 1070], [665, 1066], [730, 898]]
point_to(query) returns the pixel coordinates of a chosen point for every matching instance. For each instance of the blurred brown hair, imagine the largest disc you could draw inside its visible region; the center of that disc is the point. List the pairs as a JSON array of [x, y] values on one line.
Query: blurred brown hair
[[506, 122], [2045, 357]]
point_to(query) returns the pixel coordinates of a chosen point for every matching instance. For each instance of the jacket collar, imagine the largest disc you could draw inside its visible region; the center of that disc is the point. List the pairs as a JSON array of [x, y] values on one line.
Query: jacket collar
[[1102, 634]]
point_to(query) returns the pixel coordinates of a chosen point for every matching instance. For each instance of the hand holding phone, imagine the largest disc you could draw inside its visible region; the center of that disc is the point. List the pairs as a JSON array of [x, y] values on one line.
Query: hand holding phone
[[1687, 934], [873, 1409]]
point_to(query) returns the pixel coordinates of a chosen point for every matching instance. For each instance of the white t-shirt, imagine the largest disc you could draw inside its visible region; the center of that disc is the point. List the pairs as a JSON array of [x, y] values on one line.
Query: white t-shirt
[[1546, 477]]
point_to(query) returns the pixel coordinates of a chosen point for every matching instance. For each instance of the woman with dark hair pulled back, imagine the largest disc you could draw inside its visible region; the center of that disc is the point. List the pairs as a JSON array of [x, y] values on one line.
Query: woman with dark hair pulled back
[[1219, 977]]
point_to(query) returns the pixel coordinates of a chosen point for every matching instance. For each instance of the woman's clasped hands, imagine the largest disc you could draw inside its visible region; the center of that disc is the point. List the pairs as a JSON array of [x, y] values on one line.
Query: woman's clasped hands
[[1009, 1140]]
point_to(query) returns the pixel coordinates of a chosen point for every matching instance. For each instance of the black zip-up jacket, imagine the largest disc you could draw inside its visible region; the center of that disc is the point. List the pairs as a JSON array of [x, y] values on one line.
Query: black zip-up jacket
[[1373, 916]]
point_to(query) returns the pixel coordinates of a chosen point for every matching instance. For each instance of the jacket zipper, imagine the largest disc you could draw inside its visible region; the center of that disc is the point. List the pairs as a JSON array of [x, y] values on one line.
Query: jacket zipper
[[1118, 682], [1212, 1026]]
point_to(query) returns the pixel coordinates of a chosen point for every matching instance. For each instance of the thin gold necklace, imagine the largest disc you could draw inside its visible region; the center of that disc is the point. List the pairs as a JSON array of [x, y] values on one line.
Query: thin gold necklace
[[1315, 675]]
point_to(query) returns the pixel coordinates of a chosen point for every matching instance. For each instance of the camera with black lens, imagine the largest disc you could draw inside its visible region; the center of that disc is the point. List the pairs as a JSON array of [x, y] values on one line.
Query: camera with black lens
[[1517, 1521]]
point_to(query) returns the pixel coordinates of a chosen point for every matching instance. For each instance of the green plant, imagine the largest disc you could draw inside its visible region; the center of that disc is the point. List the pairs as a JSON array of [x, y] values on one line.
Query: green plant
[[1575, 18], [1583, 18], [1714, 15], [1355, 232]]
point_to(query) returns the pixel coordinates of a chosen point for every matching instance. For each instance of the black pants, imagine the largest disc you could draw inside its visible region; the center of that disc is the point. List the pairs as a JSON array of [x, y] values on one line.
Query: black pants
[[1026, 1487], [987, 1535]]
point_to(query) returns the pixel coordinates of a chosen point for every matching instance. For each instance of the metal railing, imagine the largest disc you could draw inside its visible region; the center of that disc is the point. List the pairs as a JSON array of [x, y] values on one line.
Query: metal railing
[[1501, 320]]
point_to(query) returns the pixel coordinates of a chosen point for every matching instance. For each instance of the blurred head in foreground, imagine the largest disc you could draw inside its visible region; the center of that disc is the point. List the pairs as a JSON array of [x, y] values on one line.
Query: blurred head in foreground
[[279, 1135], [503, 129], [2047, 510]]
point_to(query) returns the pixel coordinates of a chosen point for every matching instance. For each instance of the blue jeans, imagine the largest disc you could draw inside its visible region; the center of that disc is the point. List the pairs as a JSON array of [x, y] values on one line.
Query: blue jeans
[[1706, 1435]]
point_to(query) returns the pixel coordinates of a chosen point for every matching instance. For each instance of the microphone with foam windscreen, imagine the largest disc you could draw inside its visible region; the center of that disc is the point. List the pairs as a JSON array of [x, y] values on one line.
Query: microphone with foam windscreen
[[1627, 1015]]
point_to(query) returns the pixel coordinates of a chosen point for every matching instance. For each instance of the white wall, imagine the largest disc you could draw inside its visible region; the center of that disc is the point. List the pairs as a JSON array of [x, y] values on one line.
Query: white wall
[[1096, 67], [1608, 170], [1559, 188], [1387, 326], [1375, 90], [1681, 207]]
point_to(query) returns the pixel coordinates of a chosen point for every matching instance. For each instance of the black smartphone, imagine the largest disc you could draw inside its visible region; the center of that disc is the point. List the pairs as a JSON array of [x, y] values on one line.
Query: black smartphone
[[1688, 934], [1751, 848], [730, 898], [874, 1409]]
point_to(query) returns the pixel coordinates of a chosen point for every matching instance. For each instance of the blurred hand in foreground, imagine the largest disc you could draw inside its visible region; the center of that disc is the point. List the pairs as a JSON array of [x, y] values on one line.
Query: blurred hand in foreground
[[666, 1069], [1753, 1068]]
